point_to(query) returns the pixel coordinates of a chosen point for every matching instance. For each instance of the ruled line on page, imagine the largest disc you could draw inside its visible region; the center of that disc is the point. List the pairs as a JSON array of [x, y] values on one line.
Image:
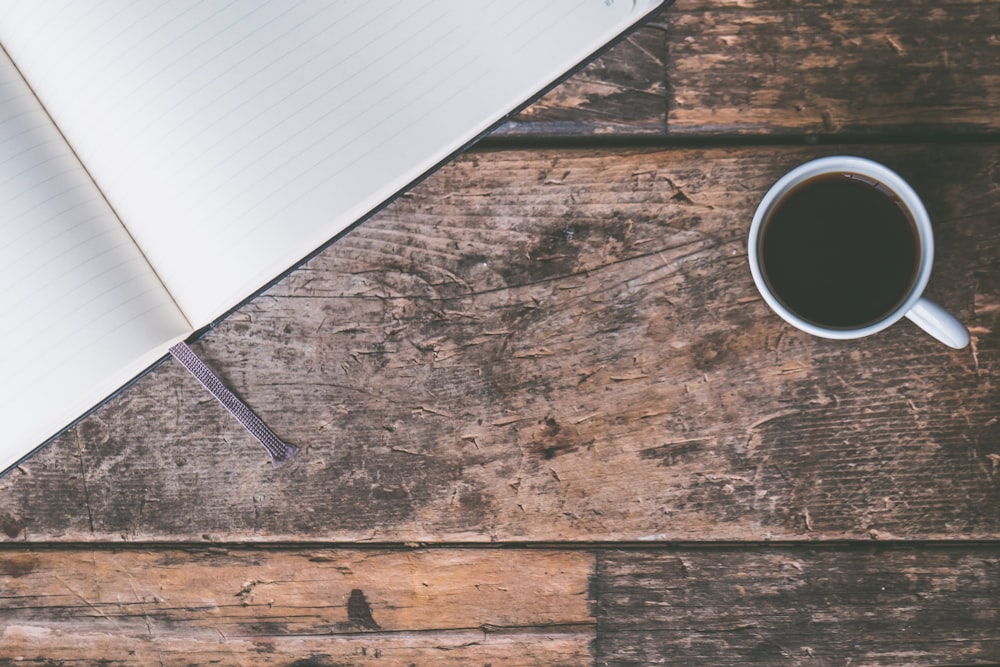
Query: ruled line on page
[[359, 136], [347, 166], [302, 130]]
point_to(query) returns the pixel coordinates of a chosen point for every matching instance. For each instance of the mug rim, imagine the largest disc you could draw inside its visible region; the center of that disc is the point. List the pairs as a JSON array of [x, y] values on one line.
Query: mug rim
[[883, 175]]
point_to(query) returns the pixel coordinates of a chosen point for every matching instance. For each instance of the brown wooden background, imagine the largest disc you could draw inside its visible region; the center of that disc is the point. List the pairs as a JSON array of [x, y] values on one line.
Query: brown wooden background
[[546, 419]]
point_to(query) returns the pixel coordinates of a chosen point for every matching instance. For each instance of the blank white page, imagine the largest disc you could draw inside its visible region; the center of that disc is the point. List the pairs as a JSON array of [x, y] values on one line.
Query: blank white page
[[82, 310], [233, 138]]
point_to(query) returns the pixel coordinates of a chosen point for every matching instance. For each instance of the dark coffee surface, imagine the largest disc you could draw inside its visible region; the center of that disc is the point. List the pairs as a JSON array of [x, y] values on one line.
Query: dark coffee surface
[[839, 252]]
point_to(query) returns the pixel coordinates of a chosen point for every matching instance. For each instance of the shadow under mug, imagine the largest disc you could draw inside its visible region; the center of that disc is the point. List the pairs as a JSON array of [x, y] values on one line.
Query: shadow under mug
[[886, 185]]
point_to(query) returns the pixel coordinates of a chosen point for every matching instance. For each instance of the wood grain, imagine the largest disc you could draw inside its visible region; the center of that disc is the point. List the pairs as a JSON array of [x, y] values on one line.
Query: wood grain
[[253, 607], [851, 67], [892, 607], [719, 606], [552, 345], [563, 346], [787, 67]]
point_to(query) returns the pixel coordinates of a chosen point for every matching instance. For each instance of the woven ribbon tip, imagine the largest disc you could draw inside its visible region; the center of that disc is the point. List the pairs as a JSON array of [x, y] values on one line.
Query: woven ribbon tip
[[281, 458]]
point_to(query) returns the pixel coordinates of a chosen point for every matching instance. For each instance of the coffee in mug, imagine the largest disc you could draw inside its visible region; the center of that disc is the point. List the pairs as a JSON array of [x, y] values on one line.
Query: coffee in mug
[[842, 247]]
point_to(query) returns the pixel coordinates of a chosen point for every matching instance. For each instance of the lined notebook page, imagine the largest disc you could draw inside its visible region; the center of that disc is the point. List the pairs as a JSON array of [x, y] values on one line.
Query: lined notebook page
[[233, 138], [81, 308]]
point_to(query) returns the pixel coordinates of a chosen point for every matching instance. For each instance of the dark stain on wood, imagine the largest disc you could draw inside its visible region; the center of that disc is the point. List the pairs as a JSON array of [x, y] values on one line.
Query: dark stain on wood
[[316, 661], [552, 254], [552, 439], [359, 612], [11, 525], [17, 565]]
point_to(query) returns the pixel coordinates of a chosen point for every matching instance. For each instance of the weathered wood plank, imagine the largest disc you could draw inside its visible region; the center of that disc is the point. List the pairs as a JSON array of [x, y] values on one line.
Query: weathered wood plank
[[898, 608], [780, 67], [561, 346], [34, 646], [787, 67], [313, 607], [756, 606]]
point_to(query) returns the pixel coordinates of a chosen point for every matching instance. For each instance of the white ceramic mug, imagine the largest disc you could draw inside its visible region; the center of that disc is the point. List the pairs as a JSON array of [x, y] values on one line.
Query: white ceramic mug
[[929, 316]]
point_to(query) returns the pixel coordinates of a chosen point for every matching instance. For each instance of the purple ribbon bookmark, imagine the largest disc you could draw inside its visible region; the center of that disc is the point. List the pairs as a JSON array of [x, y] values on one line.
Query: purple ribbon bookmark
[[281, 452]]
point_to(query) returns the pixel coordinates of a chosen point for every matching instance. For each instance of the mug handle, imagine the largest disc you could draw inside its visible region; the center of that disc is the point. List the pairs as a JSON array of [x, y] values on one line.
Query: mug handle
[[939, 323]]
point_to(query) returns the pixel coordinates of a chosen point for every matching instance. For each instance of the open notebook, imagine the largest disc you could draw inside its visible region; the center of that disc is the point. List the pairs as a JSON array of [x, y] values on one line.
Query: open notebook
[[162, 160]]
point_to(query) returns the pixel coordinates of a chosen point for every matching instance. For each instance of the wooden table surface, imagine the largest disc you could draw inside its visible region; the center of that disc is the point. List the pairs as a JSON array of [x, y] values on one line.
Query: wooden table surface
[[545, 417]]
